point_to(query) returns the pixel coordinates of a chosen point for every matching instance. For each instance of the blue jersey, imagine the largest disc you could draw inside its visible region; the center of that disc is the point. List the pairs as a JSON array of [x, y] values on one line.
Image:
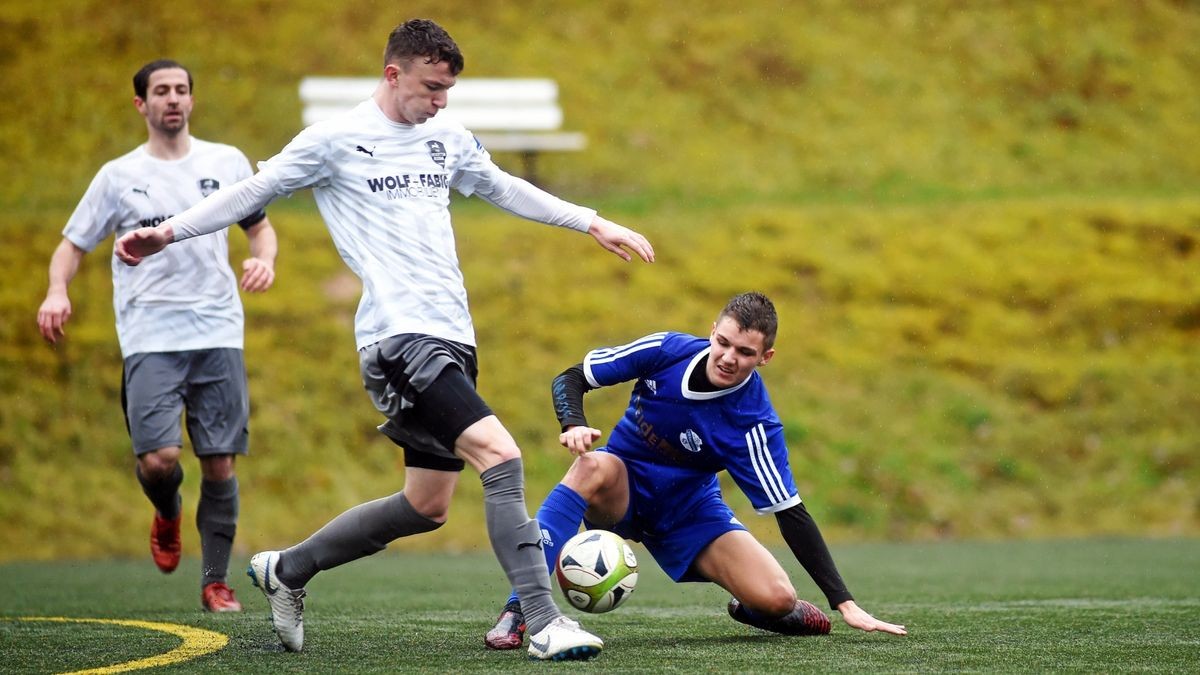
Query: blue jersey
[[682, 438]]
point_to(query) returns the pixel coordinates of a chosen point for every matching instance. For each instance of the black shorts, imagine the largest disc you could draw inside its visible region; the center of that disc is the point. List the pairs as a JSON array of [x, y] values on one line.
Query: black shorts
[[425, 386]]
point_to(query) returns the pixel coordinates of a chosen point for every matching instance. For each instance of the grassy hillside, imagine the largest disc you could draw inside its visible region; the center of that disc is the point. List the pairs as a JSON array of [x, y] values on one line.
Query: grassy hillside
[[704, 100], [977, 370], [980, 226]]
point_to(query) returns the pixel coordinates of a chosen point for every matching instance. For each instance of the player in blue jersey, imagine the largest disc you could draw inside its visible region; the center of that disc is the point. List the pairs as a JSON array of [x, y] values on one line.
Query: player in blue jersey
[[698, 408]]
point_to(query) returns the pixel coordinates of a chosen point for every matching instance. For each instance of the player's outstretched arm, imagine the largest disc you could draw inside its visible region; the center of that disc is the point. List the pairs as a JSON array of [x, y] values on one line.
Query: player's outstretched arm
[[133, 246], [857, 617], [617, 238]]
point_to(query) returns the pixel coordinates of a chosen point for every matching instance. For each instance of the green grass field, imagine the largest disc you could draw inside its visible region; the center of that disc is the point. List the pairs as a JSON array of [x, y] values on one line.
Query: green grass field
[[1067, 606]]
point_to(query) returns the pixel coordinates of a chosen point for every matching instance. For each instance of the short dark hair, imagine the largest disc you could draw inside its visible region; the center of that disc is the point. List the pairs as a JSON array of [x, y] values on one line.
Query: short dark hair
[[422, 37], [141, 80], [753, 311]]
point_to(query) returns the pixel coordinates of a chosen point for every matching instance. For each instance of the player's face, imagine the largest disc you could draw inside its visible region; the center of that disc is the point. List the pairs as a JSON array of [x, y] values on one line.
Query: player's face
[[168, 102], [418, 89], [735, 353]]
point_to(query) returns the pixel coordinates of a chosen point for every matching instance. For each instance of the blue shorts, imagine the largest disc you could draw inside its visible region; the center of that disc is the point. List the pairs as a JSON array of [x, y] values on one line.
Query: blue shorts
[[675, 516]]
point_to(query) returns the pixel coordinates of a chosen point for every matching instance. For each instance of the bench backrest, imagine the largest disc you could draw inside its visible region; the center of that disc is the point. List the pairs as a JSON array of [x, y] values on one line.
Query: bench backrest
[[480, 104]]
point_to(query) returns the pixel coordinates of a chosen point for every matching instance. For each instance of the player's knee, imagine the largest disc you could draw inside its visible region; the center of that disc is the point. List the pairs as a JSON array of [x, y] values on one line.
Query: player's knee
[[158, 465], [780, 600], [436, 510], [594, 474], [776, 598], [217, 467]]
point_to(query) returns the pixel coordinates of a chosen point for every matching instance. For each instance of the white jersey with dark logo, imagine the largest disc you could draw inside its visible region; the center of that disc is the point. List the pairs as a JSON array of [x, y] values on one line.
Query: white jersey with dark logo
[[185, 298], [383, 189]]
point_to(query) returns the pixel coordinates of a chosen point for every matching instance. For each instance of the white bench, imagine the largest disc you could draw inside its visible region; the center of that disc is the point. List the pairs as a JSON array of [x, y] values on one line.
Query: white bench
[[506, 115]]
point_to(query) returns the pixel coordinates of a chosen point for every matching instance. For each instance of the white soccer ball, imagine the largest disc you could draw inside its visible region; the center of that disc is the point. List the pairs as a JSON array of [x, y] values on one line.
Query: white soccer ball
[[596, 570]]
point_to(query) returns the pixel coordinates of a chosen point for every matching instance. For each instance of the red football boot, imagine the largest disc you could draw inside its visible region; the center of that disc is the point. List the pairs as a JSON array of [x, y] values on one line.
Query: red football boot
[[217, 597], [804, 619], [164, 542], [509, 630]]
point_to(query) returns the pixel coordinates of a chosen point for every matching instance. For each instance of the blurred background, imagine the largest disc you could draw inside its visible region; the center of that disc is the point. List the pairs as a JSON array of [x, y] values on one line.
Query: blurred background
[[979, 222]]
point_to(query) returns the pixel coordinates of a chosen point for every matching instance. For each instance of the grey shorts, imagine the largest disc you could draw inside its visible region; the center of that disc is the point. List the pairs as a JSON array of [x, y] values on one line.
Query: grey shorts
[[396, 371], [210, 384]]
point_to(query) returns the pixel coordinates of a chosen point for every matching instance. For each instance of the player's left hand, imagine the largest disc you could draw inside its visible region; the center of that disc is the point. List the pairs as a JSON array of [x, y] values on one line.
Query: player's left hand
[[257, 275], [617, 238], [857, 617], [579, 440]]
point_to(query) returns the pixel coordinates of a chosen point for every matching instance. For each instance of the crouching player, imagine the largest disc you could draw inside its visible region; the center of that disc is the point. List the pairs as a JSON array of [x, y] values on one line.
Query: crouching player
[[698, 407]]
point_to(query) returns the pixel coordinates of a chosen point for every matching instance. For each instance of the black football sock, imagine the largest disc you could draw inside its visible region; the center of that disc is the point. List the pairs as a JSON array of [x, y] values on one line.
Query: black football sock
[[163, 494], [216, 518]]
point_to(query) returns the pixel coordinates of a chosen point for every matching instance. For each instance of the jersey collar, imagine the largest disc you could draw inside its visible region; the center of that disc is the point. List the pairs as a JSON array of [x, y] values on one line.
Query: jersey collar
[[688, 393]]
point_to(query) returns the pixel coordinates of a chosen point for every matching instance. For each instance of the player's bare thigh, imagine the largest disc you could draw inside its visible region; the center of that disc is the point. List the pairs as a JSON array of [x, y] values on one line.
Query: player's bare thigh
[[603, 482], [737, 562], [485, 444]]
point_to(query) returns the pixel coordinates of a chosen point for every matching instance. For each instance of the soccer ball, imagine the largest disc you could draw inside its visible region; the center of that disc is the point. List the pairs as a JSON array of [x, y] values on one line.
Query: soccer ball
[[596, 570]]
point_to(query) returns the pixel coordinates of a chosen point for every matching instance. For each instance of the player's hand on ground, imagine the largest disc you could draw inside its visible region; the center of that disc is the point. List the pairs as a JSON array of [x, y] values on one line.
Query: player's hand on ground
[[579, 440], [133, 246], [257, 275], [617, 238], [857, 617], [52, 316]]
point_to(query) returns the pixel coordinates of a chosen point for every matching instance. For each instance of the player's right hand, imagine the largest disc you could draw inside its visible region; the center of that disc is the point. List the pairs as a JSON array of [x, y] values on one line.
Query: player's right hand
[[52, 317], [617, 238], [142, 242], [579, 440]]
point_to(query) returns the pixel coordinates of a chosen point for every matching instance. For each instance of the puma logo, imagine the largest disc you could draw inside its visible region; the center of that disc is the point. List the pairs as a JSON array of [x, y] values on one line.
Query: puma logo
[[365, 151]]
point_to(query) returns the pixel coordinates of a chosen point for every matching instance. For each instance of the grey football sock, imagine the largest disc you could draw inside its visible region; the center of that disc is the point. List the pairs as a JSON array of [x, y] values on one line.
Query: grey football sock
[[216, 518], [357, 533], [163, 494], [517, 541]]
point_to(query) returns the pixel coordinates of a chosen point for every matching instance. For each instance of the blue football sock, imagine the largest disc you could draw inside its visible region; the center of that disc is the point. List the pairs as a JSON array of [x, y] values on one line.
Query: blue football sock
[[559, 518]]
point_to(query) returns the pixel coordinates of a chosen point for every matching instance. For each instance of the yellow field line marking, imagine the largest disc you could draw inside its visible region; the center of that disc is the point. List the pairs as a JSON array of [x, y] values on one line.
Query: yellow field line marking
[[196, 643]]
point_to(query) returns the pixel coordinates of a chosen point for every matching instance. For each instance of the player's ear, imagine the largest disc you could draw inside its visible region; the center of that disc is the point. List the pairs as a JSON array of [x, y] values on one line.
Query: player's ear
[[391, 73], [767, 355]]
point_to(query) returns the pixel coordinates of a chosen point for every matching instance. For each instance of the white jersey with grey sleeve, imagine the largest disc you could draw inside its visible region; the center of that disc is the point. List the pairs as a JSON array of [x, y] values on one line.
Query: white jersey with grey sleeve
[[383, 189], [186, 298]]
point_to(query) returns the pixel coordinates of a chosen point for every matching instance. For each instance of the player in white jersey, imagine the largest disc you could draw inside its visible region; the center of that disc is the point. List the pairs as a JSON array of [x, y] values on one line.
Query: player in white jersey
[[698, 407], [179, 319], [382, 175]]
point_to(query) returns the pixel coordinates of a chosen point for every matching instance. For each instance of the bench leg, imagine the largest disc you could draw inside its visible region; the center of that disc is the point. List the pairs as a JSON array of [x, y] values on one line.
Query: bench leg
[[529, 163]]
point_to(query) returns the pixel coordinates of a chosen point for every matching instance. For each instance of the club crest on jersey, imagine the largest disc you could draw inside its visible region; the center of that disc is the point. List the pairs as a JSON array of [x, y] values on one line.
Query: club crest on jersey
[[437, 152], [691, 440], [209, 186]]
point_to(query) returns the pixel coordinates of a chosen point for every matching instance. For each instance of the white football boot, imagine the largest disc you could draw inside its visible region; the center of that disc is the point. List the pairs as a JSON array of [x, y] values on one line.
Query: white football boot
[[564, 640], [287, 605]]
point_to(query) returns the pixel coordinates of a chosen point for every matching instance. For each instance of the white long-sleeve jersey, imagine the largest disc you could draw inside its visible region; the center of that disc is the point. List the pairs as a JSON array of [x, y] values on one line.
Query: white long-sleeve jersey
[[383, 189]]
